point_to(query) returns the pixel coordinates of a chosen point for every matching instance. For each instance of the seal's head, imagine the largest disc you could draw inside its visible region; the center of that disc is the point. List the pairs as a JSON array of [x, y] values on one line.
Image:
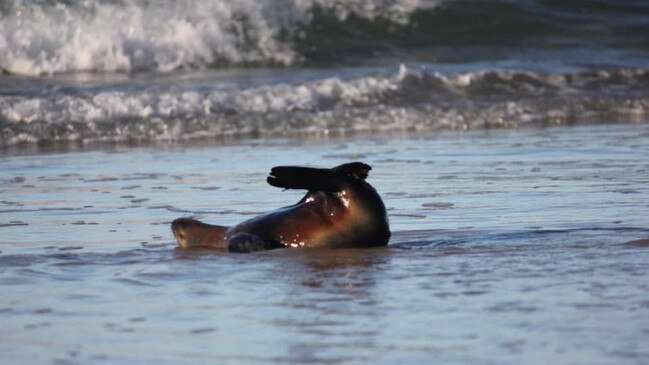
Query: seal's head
[[190, 232]]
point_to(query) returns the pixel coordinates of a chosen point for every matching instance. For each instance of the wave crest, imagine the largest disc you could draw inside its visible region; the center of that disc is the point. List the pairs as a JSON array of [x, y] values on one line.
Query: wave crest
[[39, 38]]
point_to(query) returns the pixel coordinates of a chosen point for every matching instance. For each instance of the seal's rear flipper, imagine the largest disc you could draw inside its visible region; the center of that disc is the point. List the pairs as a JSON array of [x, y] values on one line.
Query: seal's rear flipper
[[314, 179], [248, 242]]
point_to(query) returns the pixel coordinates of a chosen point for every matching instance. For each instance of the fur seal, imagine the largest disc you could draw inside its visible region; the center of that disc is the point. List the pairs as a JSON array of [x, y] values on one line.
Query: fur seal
[[340, 210]]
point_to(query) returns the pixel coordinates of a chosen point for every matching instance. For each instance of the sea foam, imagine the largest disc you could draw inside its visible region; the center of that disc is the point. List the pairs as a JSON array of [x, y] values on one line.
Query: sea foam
[[410, 98]]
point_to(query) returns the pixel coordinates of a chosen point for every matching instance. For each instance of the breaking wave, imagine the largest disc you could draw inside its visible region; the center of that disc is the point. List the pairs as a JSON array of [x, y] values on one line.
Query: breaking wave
[[48, 37], [66, 36]]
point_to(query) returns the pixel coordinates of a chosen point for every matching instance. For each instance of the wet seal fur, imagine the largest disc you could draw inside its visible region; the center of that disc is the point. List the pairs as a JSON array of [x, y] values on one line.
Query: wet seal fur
[[340, 210]]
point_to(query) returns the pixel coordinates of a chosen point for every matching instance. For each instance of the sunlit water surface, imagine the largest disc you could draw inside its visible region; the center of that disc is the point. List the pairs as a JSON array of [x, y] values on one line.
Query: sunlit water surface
[[508, 247]]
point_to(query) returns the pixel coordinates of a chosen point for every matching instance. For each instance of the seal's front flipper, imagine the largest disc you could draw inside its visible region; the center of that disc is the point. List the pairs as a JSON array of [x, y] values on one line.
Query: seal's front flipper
[[308, 178], [248, 242], [314, 179]]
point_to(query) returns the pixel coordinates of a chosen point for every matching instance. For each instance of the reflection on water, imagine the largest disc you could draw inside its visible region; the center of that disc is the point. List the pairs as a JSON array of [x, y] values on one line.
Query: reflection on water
[[518, 247], [328, 303]]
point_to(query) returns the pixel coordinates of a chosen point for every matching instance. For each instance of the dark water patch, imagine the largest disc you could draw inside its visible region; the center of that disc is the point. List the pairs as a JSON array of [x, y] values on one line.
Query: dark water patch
[[15, 180], [161, 275], [157, 245], [143, 176], [429, 243], [71, 248], [135, 282], [32, 326], [409, 215], [20, 260], [346, 156], [169, 208], [567, 231], [62, 209], [13, 223], [448, 177], [202, 331], [438, 205], [42, 311], [131, 187], [476, 240], [641, 243], [100, 179], [196, 253], [17, 210], [422, 196], [11, 203], [71, 264], [395, 160], [206, 188], [71, 256], [464, 24], [596, 306], [249, 213], [474, 292], [51, 179], [513, 306], [627, 191]]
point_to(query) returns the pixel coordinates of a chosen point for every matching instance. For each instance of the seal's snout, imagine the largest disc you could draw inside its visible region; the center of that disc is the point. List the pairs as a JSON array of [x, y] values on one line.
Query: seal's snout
[[192, 233], [179, 228]]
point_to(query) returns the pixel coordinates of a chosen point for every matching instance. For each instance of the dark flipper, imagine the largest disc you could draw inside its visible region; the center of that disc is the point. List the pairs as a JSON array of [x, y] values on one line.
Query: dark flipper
[[248, 242], [294, 177], [357, 170], [314, 179]]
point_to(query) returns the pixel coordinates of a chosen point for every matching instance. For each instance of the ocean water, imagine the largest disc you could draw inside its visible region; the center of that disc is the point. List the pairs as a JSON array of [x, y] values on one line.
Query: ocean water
[[508, 139], [96, 70]]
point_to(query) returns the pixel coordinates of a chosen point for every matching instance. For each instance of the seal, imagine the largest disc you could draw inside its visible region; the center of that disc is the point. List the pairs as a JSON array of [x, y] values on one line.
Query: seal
[[340, 210]]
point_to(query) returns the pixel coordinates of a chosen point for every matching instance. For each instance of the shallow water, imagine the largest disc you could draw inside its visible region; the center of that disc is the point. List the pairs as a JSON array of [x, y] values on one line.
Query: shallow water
[[508, 247]]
